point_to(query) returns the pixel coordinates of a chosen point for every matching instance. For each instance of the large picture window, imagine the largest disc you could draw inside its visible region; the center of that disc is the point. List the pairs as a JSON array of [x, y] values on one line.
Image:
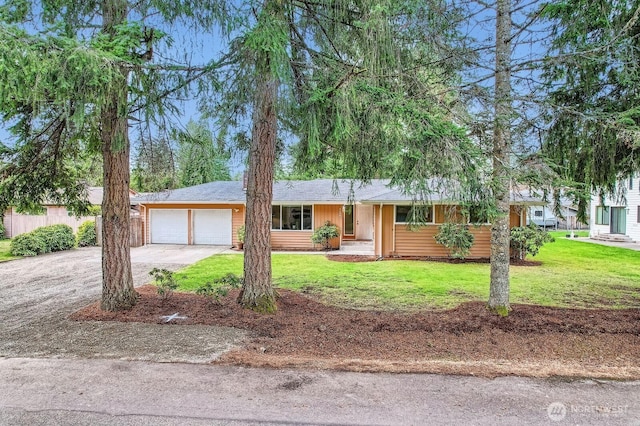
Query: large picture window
[[414, 214], [478, 215], [291, 218], [602, 215]]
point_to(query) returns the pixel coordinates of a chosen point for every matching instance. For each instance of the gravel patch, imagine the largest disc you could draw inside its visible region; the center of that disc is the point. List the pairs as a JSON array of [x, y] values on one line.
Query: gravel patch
[[39, 294]]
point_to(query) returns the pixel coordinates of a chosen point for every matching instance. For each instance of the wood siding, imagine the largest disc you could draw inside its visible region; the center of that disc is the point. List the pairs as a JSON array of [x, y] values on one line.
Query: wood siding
[[398, 240], [388, 219], [421, 242], [516, 213], [291, 240], [237, 220]]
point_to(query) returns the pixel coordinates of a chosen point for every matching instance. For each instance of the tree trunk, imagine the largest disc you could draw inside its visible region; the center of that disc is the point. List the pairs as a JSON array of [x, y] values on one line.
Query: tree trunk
[[257, 291], [117, 281], [499, 287]]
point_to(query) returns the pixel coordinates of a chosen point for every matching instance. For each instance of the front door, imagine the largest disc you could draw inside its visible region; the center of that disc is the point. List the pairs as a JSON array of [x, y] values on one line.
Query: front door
[[364, 222], [349, 221], [618, 220]]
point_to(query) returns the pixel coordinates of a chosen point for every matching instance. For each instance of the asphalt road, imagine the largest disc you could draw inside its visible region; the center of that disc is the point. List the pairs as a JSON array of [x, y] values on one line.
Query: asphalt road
[[106, 392], [57, 372]]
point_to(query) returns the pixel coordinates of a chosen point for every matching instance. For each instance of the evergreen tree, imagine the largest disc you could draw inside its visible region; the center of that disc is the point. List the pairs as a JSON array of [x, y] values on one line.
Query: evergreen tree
[[199, 158], [71, 76], [348, 79], [593, 76], [154, 166]]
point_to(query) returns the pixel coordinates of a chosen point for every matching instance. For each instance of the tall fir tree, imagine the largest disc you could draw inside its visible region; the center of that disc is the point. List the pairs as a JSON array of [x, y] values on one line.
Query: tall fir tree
[[73, 74]]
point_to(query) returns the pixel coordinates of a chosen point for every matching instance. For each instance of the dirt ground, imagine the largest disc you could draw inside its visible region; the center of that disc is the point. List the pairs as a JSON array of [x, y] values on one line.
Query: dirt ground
[[533, 341], [37, 295]]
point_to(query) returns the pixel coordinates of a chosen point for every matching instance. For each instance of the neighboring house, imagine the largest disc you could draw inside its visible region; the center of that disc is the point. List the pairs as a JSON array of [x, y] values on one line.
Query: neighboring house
[[211, 213], [18, 223], [544, 216], [617, 218], [543, 213]]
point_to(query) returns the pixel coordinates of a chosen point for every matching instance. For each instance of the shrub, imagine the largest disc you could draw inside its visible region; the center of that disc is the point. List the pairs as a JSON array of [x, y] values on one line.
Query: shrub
[[43, 240], [528, 240], [1, 229], [241, 233], [27, 244], [95, 210], [324, 234], [164, 281], [220, 287], [57, 237], [456, 238], [86, 234]]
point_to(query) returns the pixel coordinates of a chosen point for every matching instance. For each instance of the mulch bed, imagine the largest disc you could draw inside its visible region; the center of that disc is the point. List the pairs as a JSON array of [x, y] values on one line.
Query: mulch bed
[[532, 340]]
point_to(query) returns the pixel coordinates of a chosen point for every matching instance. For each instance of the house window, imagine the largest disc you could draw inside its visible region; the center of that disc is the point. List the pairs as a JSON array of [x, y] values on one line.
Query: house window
[[631, 182], [537, 213], [414, 214], [602, 215], [291, 218], [478, 215], [638, 215]]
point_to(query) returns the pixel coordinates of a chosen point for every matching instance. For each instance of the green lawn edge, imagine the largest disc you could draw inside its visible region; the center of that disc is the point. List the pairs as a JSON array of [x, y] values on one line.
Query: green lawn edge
[[572, 274]]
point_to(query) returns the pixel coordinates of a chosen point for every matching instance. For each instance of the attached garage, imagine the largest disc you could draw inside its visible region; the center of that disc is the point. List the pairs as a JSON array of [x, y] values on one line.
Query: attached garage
[[207, 226], [169, 226], [212, 226]]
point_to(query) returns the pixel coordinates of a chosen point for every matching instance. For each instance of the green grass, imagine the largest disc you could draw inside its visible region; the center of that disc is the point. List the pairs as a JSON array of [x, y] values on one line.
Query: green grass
[[572, 274], [4, 251]]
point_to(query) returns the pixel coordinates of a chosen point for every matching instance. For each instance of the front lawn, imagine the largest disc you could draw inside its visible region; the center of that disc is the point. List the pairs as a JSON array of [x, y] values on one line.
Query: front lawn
[[572, 274], [4, 251]]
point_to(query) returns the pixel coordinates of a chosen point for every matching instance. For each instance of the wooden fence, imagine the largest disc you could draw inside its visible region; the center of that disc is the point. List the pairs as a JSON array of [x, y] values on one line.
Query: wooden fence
[[17, 224], [135, 239]]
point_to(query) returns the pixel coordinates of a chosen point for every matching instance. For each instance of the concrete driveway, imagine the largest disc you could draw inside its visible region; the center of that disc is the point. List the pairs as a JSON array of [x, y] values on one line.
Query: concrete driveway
[[176, 254], [39, 293]]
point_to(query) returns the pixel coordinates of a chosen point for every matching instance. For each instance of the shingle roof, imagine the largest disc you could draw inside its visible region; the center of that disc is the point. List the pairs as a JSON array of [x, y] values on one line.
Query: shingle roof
[[326, 191], [219, 191]]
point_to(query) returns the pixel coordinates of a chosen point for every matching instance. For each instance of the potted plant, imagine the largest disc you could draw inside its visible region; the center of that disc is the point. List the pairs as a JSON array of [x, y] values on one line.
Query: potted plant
[[241, 233]]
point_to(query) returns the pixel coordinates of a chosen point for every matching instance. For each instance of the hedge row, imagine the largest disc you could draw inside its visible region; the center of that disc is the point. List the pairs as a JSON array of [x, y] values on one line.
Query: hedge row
[[45, 239]]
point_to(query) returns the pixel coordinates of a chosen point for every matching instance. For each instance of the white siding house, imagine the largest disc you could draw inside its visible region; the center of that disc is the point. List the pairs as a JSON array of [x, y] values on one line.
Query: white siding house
[[617, 217]]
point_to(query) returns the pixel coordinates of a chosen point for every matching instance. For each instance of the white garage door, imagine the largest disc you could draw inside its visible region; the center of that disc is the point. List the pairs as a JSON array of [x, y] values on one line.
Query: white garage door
[[212, 227], [169, 226]]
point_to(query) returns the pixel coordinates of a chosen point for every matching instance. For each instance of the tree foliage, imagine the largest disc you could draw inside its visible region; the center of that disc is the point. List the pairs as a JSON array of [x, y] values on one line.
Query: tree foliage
[[527, 240], [73, 75], [363, 86], [154, 166], [593, 76], [200, 158]]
